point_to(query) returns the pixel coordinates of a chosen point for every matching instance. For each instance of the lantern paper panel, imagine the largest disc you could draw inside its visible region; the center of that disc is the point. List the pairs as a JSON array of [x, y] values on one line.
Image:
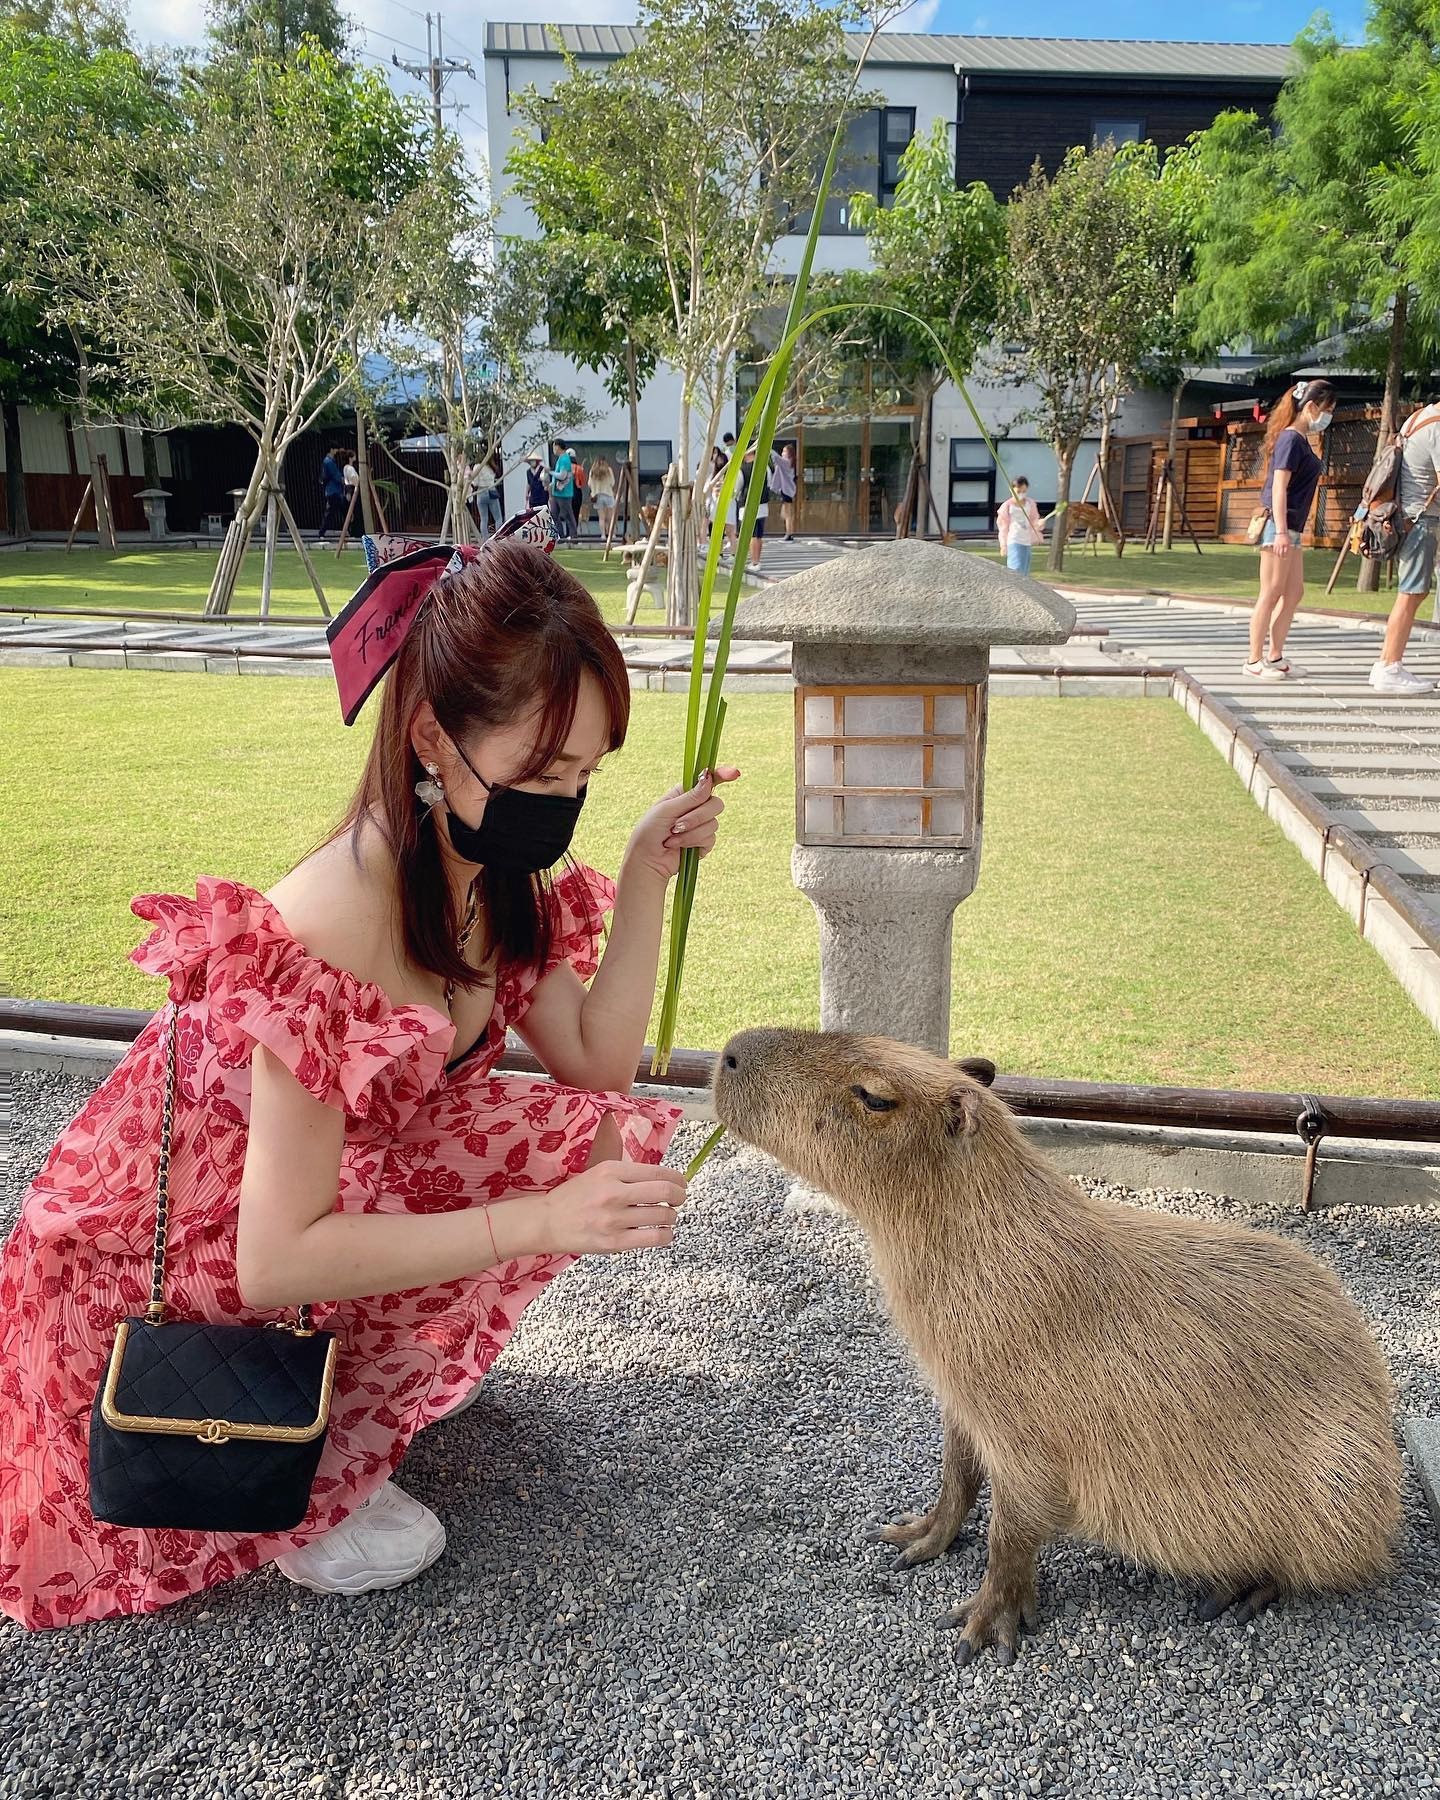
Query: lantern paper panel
[[889, 765]]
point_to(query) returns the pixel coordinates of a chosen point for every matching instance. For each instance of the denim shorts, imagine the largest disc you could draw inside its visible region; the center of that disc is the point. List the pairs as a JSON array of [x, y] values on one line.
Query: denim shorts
[[1415, 571], [1268, 536]]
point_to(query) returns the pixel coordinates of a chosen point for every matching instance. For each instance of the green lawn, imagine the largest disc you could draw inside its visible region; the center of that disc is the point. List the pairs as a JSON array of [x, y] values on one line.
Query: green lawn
[[178, 580], [1136, 919]]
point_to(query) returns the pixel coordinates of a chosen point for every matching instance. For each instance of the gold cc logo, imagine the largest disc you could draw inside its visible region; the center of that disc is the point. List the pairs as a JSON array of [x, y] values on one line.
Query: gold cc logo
[[214, 1431]]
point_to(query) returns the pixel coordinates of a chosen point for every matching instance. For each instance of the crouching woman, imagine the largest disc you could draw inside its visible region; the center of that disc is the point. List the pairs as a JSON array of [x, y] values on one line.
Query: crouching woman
[[340, 1137]]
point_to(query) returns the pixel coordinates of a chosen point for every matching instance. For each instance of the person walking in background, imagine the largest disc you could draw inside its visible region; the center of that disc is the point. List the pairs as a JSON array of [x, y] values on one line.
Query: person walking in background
[[747, 475], [782, 480], [537, 486], [482, 500], [602, 490], [1019, 526], [1419, 497], [562, 492], [719, 463], [1292, 475], [582, 493], [332, 489]]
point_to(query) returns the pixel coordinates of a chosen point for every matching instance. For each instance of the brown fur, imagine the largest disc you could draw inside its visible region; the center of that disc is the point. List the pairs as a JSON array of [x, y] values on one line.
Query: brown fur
[[1201, 1398]]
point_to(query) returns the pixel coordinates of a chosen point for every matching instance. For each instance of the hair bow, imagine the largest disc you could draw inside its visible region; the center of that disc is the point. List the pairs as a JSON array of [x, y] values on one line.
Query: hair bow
[[367, 636]]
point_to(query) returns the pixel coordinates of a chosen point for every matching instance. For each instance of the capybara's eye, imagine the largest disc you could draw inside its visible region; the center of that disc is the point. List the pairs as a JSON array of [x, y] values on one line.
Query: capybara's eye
[[873, 1102]]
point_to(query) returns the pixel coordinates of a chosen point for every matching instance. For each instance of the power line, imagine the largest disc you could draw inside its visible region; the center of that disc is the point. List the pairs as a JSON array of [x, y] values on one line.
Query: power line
[[437, 68]]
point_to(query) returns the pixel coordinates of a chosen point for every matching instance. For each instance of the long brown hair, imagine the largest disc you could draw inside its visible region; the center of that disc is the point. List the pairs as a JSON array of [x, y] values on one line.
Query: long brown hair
[[1287, 408], [510, 633]]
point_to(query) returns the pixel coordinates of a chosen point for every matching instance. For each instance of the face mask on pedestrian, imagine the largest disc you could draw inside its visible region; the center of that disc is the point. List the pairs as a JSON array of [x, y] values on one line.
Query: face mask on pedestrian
[[1323, 421]]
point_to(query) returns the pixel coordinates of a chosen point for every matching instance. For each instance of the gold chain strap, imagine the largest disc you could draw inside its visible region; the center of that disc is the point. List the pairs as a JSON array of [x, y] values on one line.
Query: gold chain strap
[[155, 1312]]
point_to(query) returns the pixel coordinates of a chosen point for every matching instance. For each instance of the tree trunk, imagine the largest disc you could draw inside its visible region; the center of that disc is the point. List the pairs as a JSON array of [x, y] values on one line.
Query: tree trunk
[[632, 505], [1172, 444], [682, 539], [1060, 527], [1368, 580], [362, 469], [17, 509], [237, 538]]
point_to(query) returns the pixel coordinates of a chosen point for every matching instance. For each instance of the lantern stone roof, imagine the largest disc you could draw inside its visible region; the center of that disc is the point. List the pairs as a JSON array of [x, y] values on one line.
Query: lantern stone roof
[[906, 591]]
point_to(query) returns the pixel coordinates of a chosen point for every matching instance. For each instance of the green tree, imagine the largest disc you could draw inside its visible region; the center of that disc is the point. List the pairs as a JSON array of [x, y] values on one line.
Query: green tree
[[605, 300], [56, 89], [1321, 227], [277, 28], [88, 25], [1083, 302], [938, 252], [251, 244], [710, 132], [465, 347]]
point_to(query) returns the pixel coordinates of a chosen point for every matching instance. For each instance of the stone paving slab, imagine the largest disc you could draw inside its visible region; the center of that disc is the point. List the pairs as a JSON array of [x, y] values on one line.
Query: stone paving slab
[[1392, 824]]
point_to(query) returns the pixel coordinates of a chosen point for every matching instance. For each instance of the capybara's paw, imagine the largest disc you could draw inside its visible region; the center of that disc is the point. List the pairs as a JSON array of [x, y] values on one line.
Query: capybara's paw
[[990, 1620], [1248, 1598], [918, 1535]]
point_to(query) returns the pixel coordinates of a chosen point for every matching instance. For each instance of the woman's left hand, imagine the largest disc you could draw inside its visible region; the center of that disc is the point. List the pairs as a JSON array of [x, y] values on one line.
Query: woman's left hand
[[686, 819]]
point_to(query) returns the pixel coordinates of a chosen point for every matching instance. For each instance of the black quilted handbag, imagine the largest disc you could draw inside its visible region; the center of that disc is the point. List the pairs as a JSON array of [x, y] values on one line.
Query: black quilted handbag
[[201, 1427]]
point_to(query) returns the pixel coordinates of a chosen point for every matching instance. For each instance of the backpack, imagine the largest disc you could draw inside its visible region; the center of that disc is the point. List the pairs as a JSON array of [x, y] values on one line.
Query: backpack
[[1381, 524]]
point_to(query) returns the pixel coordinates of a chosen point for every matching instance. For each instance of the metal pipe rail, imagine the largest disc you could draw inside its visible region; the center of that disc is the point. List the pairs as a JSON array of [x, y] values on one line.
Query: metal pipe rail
[[1207, 1109]]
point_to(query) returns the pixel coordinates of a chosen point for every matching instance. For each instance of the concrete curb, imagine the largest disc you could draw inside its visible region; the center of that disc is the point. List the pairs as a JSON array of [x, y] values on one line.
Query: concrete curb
[[1380, 903], [1422, 1440], [1251, 1167]]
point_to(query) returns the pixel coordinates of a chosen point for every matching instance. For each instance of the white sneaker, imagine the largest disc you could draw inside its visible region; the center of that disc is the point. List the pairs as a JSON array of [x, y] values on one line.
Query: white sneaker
[[1292, 671], [1395, 678], [385, 1542], [1264, 671]]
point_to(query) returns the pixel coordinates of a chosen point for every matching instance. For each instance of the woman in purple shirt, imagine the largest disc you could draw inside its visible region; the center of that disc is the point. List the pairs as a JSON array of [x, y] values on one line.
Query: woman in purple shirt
[[1291, 478]]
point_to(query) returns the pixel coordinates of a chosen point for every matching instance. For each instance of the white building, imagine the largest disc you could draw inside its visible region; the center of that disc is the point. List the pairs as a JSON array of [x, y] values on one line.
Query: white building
[[1006, 101]]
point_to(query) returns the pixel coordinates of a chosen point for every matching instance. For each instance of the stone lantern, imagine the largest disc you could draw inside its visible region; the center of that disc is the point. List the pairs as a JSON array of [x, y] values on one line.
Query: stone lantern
[[154, 500], [891, 669]]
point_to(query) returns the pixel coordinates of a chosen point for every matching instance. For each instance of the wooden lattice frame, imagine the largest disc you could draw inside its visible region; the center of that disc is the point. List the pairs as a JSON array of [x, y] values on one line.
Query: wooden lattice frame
[[929, 740]]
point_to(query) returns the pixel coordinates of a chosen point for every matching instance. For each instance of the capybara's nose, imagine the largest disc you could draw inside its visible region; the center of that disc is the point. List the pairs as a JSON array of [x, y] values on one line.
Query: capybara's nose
[[746, 1048]]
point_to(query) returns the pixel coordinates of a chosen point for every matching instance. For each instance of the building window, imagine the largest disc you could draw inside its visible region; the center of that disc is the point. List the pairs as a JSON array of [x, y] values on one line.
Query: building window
[[870, 160], [1116, 131], [897, 128]]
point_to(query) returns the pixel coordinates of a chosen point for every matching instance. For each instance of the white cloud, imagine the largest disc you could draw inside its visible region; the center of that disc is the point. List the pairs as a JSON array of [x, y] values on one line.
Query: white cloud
[[917, 17]]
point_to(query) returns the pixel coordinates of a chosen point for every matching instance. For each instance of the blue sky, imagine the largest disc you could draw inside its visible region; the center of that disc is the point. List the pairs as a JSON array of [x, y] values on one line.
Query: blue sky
[[1215, 21], [397, 27]]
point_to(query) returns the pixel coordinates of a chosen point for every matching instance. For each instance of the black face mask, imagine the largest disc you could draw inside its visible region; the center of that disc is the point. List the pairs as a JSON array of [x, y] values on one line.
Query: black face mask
[[519, 833]]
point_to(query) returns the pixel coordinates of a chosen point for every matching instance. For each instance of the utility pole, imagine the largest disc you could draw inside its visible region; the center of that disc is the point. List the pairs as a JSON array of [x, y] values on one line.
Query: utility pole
[[437, 68]]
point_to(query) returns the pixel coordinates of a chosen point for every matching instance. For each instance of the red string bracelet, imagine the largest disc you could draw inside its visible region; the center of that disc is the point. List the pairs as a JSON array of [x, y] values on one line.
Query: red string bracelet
[[491, 1229]]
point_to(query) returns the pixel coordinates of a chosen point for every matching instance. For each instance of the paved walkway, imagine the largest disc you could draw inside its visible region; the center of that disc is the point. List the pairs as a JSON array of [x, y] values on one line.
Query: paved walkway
[[1373, 760]]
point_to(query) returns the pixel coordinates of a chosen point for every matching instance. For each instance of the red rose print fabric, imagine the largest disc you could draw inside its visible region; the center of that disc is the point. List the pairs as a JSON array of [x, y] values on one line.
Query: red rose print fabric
[[419, 1138]]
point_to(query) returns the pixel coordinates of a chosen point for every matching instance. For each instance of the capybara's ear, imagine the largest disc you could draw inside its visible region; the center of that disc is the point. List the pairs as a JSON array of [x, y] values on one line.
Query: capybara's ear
[[978, 1068], [962, 1109]]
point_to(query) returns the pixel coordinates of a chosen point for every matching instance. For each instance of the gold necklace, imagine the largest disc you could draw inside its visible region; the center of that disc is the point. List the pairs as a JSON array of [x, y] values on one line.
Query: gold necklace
[[466, 932]]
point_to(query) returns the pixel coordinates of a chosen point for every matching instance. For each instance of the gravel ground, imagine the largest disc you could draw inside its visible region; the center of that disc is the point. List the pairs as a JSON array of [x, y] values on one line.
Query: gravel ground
[[657, 1586]]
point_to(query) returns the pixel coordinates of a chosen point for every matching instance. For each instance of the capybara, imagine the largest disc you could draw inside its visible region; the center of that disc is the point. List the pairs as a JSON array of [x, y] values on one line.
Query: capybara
[[1201, 1398]]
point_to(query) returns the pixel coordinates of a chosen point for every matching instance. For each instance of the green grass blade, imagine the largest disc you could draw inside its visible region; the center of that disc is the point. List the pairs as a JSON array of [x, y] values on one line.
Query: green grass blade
[[702, 1155]]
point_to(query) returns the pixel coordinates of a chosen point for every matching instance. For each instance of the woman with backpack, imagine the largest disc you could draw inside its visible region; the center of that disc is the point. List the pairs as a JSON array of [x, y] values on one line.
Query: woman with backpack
[[1292, 476]]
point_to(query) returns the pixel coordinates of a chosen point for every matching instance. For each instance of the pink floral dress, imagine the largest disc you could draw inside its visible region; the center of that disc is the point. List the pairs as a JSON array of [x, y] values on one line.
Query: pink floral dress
[[419, 1137]]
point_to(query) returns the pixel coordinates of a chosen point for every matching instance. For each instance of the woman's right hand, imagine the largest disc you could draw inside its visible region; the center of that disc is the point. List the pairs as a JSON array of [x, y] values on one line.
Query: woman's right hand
[[1281, 546], [614, 1206]]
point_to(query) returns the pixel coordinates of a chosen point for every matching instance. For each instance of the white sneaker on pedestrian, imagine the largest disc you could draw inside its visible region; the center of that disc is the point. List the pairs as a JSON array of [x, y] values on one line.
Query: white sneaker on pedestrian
[[386, 1541], [1395, 678], [1291, 671], [1265, 671]]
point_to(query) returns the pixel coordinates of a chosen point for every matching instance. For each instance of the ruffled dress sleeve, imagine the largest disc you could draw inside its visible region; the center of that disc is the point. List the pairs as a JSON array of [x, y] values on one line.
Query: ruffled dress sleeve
[[340, 1037]]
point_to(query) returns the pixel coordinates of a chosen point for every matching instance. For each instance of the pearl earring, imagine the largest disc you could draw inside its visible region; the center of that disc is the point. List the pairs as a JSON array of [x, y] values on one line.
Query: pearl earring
[[429, 791]]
